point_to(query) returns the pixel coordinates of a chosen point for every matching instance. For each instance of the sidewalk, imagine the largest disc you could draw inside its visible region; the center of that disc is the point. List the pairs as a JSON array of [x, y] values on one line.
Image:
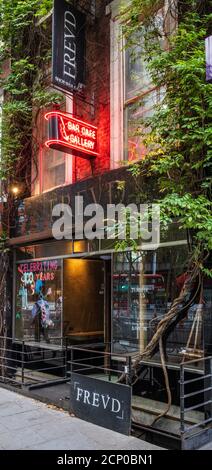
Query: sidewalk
[[28, 424]]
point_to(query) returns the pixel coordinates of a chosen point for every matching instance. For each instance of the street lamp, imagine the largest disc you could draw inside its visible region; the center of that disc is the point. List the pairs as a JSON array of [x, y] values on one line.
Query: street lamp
[[15, 190]]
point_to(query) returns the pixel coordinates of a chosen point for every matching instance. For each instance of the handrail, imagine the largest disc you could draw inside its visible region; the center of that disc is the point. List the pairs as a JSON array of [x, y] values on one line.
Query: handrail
[[101, 361], [19, 365], [204, 389]]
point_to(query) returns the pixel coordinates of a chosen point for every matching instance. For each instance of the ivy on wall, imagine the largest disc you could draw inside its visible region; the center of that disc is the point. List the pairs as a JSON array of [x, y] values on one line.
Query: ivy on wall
[[180, 135], [178, 140], [25, 54]]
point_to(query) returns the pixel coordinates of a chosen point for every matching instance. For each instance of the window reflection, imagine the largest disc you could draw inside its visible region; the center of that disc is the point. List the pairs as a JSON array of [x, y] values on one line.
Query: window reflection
[[137, 78], [136, 127], [144, 286], [38, 300]]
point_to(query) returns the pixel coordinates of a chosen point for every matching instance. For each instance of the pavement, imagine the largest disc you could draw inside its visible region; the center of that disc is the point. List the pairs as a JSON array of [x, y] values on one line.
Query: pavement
[[27, 424]]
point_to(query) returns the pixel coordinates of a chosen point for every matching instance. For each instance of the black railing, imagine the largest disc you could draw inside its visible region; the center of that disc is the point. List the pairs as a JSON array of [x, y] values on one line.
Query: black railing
[[101, 361], [196, 395], [27, 364]]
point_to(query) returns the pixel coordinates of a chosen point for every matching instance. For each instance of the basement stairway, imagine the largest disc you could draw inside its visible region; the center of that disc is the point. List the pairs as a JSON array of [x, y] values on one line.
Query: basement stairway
[[166, 430]]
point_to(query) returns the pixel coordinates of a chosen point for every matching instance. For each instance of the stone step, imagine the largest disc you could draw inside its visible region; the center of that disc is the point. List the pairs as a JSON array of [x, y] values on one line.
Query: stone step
[[156, 407], [145, 410]]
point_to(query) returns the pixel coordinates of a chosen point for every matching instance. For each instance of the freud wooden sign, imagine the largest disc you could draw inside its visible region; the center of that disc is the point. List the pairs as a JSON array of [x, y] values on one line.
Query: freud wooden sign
[[68, 50], [103, 403]]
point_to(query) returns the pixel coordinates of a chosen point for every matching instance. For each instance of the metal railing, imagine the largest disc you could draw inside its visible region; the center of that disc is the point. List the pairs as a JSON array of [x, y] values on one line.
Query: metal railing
[[198, 392], [100, 361], [27, 364]]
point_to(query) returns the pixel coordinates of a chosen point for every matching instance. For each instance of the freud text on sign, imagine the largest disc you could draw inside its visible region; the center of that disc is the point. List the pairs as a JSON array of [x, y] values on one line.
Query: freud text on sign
[[68, 46], [103, 403]]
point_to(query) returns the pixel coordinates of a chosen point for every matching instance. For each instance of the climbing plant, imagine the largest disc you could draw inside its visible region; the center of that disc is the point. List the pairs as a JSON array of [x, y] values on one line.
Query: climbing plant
[[180, 136], [25, 48], [25, 53], [177, 137]]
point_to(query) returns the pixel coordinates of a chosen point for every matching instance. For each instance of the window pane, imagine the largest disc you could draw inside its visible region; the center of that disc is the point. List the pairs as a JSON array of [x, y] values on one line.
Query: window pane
[[144, 286], [38, 300], [54, 169], [53, 165], [137, 78], [135, 116]]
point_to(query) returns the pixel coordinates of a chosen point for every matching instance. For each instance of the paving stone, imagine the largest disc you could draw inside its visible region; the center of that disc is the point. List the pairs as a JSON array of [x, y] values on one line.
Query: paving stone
[[28, 424]]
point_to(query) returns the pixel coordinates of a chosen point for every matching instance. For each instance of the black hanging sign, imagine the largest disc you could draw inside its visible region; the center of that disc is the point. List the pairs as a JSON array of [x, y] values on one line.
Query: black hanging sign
[[103, 403], [68, 46]]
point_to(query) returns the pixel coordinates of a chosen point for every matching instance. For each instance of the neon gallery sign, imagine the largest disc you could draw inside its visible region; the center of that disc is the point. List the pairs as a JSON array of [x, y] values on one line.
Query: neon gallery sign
[[71, 135]]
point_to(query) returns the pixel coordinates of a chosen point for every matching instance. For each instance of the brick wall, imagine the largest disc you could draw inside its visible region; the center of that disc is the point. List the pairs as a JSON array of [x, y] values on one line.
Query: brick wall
[[93, 105]]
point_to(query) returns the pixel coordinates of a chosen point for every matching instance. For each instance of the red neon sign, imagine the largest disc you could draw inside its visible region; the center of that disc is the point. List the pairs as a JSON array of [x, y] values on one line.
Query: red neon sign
[[71, 135], [38, 266]]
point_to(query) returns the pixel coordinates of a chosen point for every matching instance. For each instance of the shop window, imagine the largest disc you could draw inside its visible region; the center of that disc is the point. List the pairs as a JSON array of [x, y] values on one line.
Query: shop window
[[44, 311], [38, 307], [144, 286]]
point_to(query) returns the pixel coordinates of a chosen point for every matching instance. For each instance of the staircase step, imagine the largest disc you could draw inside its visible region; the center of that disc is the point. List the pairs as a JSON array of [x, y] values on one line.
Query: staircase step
[[145, 410]]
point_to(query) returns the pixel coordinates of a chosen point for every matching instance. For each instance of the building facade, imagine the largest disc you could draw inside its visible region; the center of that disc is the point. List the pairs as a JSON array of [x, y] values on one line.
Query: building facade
[[90, 292]]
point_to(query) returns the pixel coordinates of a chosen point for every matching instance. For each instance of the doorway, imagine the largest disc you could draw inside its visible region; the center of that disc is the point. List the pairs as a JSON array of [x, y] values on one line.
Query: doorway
[[85, 294]]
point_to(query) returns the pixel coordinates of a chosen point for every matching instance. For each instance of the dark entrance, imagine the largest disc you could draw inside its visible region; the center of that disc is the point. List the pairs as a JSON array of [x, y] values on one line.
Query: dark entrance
[[85, 292]]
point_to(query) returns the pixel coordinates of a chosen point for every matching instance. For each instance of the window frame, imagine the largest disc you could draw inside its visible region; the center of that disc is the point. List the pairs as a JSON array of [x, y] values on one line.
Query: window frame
[[15, 264], [37, 184], [119, 103]]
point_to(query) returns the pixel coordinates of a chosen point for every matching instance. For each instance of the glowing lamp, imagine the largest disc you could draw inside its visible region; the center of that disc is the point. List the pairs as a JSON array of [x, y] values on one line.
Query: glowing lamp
[[15, 190]]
